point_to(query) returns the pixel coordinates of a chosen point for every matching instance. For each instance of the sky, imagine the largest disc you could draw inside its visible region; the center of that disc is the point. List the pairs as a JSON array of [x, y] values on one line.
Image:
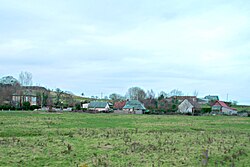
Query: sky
[[107, 46]]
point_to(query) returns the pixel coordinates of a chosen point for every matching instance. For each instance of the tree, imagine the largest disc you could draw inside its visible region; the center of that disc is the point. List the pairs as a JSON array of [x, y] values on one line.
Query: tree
[[7, 90], [59, 92], [25, 78], [196, 93], [150, 94], [175, 92], [116, 97], [162, 95], [136, 93]]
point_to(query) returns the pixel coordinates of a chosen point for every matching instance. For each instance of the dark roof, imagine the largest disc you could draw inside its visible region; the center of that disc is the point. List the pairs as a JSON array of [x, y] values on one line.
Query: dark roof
[[97, 104], [194, 103], [209, 97], [134, 104]]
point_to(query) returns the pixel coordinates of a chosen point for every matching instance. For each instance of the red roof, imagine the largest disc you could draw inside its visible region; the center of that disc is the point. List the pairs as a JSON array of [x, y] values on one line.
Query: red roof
[[222, 104], [119, 105]]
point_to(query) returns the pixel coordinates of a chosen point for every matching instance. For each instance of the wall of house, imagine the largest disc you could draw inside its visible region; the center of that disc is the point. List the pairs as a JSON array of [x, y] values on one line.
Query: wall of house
[[228, 111], [99, 109], [85, 105], [185, 107]]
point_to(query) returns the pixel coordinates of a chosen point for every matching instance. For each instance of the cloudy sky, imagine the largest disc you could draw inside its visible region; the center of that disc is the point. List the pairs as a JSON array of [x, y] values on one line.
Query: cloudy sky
[[106, 46]]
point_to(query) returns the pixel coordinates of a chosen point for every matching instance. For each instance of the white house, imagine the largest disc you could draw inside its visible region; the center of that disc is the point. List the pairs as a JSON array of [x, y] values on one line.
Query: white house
[[99, 106], [186, 107], [220, 106]]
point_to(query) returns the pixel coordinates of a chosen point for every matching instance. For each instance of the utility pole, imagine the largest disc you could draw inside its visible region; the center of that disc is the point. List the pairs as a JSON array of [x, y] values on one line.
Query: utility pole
[[101, 95]]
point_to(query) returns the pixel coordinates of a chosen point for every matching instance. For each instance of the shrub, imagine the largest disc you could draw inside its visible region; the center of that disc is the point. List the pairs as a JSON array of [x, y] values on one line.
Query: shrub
[[33, 107], [78, 106], [26, 105], [206, 110]]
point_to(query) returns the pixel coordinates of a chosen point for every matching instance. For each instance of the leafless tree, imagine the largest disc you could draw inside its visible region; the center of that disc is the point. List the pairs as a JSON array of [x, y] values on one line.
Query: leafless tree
[[195, 93], [175, 92], [25, 78], [136, 93], [150, 94], [116, 97], [163, 94]]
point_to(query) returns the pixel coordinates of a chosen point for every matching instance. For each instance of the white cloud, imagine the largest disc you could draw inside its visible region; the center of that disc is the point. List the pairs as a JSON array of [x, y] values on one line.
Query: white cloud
[[15, 46]]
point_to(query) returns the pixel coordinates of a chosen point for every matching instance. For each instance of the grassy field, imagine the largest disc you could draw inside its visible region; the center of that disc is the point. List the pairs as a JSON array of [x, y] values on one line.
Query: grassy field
[[77, 139]]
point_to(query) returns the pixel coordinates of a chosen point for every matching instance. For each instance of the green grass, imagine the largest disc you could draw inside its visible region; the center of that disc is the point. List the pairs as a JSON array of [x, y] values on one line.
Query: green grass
[[75, 139]]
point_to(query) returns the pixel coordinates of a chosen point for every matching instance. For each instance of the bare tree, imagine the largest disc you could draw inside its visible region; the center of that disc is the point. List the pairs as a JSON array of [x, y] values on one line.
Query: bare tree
[[25, 78], [175, 92], [150, 94], [195, 93], [136, 93], [116, 97]]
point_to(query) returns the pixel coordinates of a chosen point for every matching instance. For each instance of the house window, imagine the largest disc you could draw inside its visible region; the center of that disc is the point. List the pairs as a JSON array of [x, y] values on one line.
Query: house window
[[33, 99]]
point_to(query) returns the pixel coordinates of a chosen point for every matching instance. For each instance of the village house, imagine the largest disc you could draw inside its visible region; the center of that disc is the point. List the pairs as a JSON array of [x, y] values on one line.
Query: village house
[[185, 107], [19, 99], [134, 107], [99, 106], [188, 106], [220, 106]]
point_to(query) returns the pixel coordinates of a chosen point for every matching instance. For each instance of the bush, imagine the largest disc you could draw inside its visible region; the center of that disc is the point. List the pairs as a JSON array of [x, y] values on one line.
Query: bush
[[7, 107], [84, 109], [26, 105], [206, 110], [78, 106], [33, 107]]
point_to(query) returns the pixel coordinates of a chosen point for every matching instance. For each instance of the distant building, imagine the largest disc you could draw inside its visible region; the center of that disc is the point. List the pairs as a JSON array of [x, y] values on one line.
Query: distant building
[[220, 106], [31, 94], [179, 99], [134, 106], [188, 106], [18, 100], [202, 101], [99, 106], [211, 98]]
